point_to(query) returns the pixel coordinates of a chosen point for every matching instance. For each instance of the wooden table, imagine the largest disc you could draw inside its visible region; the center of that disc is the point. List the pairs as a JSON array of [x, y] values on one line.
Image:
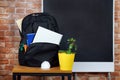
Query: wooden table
[[18, 71]]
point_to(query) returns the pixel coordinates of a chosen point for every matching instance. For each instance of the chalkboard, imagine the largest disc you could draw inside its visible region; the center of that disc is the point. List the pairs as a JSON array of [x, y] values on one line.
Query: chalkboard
[[90, 22]]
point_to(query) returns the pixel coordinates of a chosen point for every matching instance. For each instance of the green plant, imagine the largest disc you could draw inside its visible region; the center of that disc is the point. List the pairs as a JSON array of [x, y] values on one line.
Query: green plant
[[72, 47]]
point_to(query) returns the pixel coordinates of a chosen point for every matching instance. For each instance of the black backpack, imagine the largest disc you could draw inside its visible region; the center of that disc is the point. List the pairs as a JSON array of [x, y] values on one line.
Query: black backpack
[[36, 53]]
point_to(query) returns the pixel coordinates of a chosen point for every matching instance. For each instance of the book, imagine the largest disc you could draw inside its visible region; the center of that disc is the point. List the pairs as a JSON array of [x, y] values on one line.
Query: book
[[47, 36]]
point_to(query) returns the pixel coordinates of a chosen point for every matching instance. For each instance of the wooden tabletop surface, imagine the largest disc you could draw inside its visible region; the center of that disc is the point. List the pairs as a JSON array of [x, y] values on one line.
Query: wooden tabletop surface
[[24, 69]]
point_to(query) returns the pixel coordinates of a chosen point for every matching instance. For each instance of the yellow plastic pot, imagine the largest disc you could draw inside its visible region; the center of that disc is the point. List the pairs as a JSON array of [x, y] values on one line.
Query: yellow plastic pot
[[66, 61]]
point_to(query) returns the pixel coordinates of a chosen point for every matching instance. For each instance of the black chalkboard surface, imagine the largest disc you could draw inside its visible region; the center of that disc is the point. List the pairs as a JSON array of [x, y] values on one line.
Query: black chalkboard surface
[[90, 22]]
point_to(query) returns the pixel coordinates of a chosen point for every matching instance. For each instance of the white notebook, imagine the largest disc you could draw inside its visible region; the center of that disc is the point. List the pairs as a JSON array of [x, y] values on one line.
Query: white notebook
[[47, 36], [19, 23]]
